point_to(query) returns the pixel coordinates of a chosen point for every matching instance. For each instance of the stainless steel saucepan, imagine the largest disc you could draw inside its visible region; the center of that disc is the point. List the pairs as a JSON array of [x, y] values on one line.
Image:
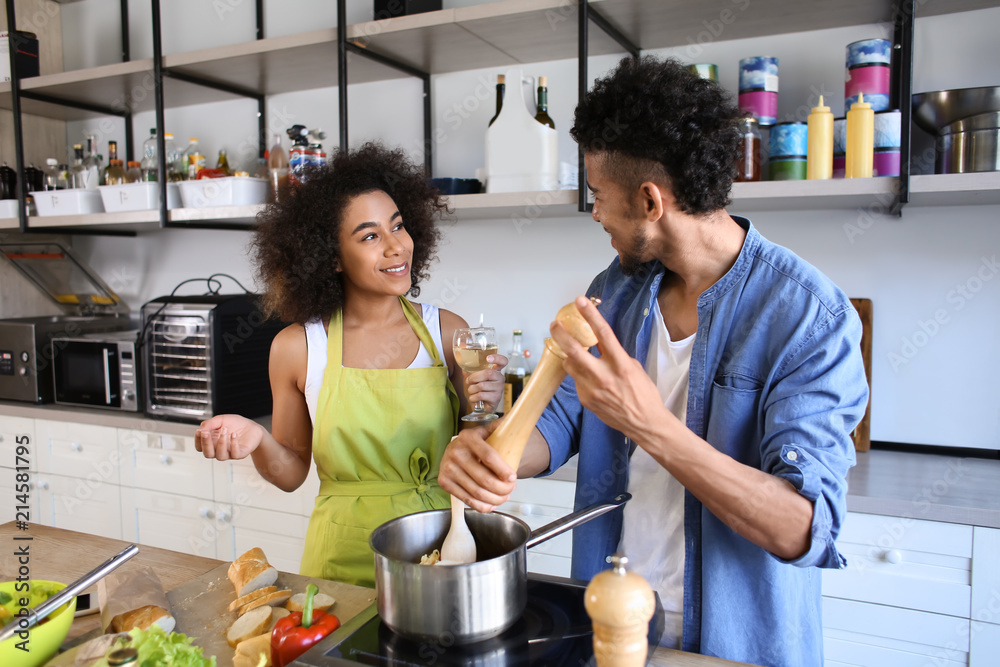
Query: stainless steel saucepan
[[459, 603]]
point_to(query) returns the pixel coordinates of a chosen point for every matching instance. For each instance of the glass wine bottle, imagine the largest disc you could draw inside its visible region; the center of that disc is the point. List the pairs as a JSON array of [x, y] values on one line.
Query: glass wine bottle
[[501, 86], [515, 374], [114, 173], [542, 107]]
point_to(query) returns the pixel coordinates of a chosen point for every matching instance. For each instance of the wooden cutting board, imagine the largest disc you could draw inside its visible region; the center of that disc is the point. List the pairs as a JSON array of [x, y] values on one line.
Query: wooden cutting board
[[862, 434], [201, 606]]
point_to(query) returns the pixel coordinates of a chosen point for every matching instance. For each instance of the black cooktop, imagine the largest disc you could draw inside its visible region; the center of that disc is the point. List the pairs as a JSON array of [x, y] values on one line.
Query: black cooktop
[[555, 630]]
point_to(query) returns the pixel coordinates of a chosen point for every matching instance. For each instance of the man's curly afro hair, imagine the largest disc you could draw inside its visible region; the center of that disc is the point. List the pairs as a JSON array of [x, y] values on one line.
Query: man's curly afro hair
[[649, 111], [296, 247]]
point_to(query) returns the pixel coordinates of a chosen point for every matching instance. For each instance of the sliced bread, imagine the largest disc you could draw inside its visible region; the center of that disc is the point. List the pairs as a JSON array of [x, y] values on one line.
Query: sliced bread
[[249, 652], [277, 613], [250, 597], [251, 571], [249, 625], [270, 600], [143, 618], [320, 601]]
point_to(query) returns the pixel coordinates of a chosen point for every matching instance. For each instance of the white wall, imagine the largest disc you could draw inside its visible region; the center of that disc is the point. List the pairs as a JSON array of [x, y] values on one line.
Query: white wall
[[910, 267]]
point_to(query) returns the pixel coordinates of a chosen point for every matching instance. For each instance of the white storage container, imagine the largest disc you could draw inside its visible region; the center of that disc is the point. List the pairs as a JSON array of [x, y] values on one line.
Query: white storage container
[[228, 191], [143, 196], [8, 208], [68, 202]]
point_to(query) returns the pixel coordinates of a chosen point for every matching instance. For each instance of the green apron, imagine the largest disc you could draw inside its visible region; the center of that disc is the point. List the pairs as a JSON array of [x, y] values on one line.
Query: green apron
[[378, 441]]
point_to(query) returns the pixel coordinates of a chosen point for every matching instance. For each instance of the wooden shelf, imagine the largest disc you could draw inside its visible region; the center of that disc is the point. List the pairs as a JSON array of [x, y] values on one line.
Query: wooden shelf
[[217, 215], [981, 188], [518, 207], [125, 221], [837, 193], [496, 34]]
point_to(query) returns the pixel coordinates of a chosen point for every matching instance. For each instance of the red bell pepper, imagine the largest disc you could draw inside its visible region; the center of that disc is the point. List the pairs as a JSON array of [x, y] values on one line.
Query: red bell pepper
[[296, 633]]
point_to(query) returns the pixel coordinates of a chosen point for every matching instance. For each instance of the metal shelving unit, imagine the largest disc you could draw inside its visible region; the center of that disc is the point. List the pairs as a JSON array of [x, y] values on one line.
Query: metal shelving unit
[[495, 34]]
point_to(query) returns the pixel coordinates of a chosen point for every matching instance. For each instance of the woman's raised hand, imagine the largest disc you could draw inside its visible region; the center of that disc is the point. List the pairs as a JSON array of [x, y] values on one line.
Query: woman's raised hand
[[487, 386], [226, 437]]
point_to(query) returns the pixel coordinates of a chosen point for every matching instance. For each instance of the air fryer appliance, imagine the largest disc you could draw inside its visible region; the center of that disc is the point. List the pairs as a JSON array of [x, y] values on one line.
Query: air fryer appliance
[[206, 355], [88, 306]]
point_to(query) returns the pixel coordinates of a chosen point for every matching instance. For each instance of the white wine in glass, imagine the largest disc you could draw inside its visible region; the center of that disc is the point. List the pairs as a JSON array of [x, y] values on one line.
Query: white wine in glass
[[473, 345]]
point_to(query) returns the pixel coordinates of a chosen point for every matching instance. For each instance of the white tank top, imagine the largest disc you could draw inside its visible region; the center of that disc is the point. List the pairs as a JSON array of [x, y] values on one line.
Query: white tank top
[[316, 345], [653, 525]]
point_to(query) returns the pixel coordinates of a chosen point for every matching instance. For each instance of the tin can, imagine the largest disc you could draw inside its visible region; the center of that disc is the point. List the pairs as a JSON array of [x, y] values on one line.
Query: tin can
[[705, 71], [868, 71], [788, 146], [839, 147], [298, 161], [759, 88], [887, 142]]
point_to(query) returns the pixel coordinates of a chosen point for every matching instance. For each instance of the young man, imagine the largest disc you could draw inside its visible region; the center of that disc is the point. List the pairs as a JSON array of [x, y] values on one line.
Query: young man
[[727, 380]]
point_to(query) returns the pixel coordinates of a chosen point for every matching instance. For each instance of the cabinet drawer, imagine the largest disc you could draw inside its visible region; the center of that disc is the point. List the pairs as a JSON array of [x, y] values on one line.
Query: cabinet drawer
[[14, 431], [907, 563], [165, 463], [8, 495], [281, 536], [246, 488], [548, 564], [175, 522], [855, 629], [80, 505], [79, 450]]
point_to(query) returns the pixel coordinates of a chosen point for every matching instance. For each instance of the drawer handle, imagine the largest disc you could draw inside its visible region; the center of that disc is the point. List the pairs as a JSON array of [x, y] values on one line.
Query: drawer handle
[[206, 513], [43, 485], [224, 516], [76, 447], [165, 459], [892, 556]]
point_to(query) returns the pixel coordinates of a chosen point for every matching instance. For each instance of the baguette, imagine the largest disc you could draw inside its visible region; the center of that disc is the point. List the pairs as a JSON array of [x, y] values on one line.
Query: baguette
[[270, 600], [251, 571], [249, 625], [249, 651], [277, 613], [143, 618], [320, 601], [250, 597]]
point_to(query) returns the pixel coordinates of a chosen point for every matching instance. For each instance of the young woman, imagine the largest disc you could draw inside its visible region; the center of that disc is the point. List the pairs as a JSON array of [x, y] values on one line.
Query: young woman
[[365, 380]]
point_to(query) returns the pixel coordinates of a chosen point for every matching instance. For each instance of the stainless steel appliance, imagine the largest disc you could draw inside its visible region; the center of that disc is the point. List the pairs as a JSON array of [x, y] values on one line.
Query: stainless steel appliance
[[89, 306], [553, 630], [97, 371], [206, 355]]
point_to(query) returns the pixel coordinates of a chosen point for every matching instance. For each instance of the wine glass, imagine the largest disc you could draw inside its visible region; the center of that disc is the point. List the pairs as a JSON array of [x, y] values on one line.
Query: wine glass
[[472, 346]]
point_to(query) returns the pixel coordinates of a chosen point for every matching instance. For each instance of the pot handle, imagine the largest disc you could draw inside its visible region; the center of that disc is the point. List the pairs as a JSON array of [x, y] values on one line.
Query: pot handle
[[560, 526]]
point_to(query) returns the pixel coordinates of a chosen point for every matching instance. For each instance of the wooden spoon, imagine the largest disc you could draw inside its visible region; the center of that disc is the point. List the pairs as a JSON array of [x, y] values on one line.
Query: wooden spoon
[[459, 545]]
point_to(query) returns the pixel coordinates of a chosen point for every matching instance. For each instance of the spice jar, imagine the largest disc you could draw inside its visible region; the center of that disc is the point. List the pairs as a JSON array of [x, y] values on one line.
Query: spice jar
[[748, 162]]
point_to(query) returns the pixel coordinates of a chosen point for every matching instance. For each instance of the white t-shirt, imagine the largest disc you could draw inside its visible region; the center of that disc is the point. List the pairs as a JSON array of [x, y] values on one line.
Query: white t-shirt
[[653, 530], [316, 345]]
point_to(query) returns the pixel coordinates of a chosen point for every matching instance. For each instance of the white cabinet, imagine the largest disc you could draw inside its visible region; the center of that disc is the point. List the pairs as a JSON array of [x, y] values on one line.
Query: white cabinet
[[17, 434], [168, 495], [984, 649], [537, 502], [914, 592], [78, 477]]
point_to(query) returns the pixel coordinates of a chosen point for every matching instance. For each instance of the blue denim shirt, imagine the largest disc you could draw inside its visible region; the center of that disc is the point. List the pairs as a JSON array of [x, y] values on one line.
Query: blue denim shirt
[[776, 382]]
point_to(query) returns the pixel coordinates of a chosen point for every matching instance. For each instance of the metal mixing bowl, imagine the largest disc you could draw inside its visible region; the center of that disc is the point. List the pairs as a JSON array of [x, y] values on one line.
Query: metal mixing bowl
[[936, 110], [966, 125]]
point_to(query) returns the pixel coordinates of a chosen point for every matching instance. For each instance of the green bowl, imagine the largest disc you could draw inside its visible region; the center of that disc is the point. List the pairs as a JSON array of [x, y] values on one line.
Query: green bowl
[[43, 639]]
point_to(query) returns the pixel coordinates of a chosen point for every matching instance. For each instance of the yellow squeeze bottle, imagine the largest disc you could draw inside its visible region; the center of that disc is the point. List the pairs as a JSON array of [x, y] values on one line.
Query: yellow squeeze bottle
[[860, 140], [819, 156]]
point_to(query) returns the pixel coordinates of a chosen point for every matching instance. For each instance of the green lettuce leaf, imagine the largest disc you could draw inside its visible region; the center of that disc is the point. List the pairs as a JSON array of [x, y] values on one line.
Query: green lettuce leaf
[[156, 648]]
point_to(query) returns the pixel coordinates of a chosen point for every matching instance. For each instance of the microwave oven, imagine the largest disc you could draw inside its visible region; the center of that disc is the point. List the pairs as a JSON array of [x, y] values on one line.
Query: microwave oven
[[27, 353], [206, 355], [97, 371]]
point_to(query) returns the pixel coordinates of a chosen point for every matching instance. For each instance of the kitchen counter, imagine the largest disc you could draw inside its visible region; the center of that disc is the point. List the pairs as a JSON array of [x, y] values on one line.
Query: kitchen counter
[[65, 555]]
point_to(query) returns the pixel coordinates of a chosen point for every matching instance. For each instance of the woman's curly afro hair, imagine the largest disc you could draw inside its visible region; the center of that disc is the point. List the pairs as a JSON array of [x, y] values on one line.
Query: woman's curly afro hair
[[296, 247], [656, 110]]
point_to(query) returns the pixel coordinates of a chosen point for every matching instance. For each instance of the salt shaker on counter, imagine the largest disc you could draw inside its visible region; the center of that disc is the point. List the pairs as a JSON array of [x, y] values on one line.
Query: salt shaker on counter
[[620, 604]]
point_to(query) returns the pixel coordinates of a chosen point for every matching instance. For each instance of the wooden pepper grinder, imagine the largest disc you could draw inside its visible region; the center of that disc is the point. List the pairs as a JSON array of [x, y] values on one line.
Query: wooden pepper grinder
[[620, 605], [512, 435]]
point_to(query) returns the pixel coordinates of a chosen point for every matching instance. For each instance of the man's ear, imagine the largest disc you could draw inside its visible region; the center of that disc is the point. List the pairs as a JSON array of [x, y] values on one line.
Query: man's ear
[[652, 197]]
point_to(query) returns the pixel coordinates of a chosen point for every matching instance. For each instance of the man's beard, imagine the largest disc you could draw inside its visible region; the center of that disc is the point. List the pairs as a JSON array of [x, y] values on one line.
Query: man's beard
[[631, 258]]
